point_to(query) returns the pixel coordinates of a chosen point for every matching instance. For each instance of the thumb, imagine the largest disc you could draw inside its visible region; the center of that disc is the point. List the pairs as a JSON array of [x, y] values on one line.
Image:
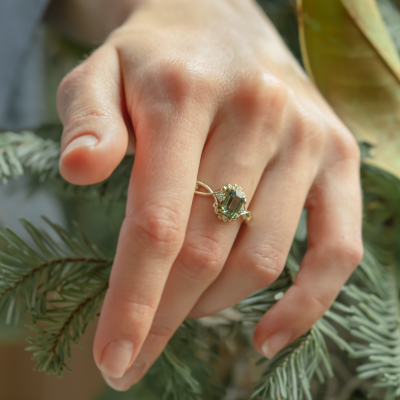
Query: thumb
[[91, 106]]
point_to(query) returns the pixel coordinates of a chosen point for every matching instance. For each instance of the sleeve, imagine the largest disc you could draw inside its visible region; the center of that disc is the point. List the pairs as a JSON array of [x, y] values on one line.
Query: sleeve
[[18, 32]]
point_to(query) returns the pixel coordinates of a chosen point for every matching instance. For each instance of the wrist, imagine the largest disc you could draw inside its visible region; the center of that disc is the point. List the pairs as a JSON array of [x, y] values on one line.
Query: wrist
[[89, 21]]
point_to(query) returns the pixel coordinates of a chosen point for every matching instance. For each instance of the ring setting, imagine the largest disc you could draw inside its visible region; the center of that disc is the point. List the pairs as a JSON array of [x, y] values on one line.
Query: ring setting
[[230, 202]]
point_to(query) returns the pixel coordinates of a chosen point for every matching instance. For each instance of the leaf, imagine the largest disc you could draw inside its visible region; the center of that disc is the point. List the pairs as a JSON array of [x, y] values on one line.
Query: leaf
[[349, 54]]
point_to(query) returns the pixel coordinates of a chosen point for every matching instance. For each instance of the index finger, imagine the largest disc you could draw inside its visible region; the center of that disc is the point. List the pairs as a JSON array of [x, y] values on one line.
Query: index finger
[[170, 133]]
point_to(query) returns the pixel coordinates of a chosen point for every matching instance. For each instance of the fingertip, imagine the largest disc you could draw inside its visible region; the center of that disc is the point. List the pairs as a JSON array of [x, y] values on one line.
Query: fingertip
[[132, 376], [86, 160], [116, 358], [268, 347], [259, 337], [117, 384]]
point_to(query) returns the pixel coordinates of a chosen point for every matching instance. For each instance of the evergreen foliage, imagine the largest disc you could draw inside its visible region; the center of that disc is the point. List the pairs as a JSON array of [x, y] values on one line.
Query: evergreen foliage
[[60, 280], [27, 152]]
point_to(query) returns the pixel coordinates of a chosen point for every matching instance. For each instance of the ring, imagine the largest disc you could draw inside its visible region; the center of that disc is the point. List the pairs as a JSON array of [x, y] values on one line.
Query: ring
[[230, 202]]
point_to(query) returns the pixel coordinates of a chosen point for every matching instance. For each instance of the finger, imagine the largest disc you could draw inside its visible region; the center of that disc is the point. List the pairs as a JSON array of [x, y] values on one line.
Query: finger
[[170, 137], [260, 250], [335, 249], [208, 240], [91, 106]]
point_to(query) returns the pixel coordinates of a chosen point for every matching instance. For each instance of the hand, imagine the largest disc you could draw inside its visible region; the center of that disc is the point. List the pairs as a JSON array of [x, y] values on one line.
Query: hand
[[213, 95]]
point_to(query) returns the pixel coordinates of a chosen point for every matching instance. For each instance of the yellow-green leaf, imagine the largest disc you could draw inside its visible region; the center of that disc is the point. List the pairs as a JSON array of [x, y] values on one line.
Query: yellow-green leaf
[[354, 63]]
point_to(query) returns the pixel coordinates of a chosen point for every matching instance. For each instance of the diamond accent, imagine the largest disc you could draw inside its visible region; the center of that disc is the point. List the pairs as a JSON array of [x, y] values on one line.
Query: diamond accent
[[241, 211], [221, 197]]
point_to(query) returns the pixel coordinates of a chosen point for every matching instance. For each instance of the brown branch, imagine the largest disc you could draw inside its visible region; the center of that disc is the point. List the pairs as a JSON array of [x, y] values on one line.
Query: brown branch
[[71, 317], [53, 262]]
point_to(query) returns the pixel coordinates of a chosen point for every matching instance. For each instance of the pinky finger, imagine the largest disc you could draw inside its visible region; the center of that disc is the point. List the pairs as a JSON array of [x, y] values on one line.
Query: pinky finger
[[334, 251]]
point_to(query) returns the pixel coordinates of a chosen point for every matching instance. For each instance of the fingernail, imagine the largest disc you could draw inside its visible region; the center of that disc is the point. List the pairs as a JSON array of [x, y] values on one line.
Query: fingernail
[[85, 140], [132, 376], [276, 342], [116, 358]]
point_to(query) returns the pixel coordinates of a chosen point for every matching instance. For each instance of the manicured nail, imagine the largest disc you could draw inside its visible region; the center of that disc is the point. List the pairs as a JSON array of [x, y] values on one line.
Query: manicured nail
[[132, 376], [116, 358], [276, 342], [85, 140]]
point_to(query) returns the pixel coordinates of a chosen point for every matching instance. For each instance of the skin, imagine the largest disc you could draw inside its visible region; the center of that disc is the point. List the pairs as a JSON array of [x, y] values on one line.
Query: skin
[[211, 94]]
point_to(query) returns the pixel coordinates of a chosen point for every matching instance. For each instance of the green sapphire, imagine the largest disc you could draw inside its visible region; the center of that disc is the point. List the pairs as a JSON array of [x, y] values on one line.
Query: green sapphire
[[234, 200]]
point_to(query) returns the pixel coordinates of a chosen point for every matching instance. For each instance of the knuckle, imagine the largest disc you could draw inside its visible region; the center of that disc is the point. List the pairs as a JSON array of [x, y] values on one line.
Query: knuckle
[[263, 265], [349, 253], [344, 145], [322, 304], [177, 82], [161, 331], [353, 253], [261, 95], [77, 108], [82, 116], [307, 130], [68, 85], [157, 227], [275, 96], [129, 303], [201, 258], [316, 304]]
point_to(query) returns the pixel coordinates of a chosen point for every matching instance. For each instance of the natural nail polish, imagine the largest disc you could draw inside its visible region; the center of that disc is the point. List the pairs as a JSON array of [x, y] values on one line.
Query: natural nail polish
[[116, 358], [132, 376], [276, 342], [85, 140]]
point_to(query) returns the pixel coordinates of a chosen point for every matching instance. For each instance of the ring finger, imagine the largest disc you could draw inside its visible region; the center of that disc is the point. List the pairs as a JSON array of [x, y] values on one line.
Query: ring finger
[[259, 253]]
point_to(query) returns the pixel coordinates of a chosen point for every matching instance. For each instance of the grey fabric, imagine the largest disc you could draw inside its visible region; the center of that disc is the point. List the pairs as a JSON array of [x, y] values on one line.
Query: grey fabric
[[20, 63]]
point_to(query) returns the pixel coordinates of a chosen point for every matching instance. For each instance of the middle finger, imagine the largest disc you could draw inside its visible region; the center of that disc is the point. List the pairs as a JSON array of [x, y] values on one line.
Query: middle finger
[[237, 152]]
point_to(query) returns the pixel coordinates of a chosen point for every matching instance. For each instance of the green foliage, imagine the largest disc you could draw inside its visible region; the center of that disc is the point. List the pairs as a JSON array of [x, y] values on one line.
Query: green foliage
[[288, 374], [28, 152], [60, 280], [187, 375], [61, 284], [25, 150], [373, 318]]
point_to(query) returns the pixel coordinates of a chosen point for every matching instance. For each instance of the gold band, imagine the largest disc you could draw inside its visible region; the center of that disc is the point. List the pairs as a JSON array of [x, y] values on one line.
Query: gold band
[[230, 202]]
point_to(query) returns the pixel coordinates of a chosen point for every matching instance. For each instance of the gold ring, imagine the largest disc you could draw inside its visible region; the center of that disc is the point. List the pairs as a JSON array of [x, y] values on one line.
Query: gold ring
[[230, 202]]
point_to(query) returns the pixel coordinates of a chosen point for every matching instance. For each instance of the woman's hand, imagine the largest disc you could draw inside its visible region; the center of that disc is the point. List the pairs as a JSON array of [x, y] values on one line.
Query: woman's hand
[[213, 95]]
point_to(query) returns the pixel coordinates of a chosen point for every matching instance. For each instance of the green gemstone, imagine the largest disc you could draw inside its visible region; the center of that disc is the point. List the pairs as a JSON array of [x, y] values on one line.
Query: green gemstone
[[233, 202]]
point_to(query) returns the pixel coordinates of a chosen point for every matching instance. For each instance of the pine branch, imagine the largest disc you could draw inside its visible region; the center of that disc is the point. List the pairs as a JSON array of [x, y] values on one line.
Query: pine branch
[[28, 275], [374, 319], [114, 188], [25, 151], [289, 373], [62, 285], [64, 323], [188, 377], [62, 282]]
